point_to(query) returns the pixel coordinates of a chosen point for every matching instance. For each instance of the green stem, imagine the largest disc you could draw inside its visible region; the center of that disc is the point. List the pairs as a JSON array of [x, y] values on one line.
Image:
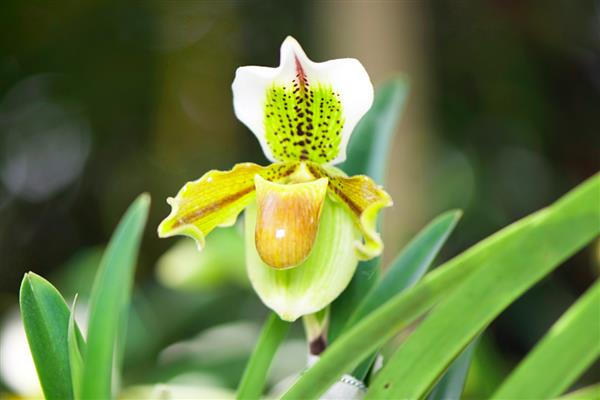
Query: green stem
[[315, 326], [255, 375]]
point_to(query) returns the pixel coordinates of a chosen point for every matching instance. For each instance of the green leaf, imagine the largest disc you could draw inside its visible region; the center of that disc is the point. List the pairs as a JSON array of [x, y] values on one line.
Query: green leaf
[[110, 300], [46, 319], [76, 349], [410, 265], [255, 375], [369, 147], [367, 154], [563, 354], [365, 277], [511, 263], [372, 332], [450, 387], [405, 271], [586, 393], [551, 235]]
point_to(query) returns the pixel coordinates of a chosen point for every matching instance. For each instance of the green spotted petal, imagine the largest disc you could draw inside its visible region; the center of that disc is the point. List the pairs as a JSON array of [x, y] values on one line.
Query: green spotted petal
[[302, 110], [315, 283], [303, 123]]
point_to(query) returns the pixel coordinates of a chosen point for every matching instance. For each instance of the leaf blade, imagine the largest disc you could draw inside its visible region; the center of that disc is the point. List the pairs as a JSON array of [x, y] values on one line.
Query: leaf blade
[[396, 314], [76, 349], [45, 317], [450, 387], [511, 266], [255, 375], [405, 271], [586, 393], [368, 153], [368, 150], [562, 355], [110, 299], [410, 265]]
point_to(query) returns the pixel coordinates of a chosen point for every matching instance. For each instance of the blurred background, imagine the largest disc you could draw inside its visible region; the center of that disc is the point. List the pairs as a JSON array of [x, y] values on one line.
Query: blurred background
[[100, 101]]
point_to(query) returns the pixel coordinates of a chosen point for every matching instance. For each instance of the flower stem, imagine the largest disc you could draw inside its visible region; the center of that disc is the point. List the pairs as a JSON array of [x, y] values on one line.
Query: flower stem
[[315, 326]]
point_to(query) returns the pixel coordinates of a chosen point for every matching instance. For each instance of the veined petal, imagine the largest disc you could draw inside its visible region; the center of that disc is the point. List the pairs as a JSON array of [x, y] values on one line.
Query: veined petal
[[216, 199], [302, 110], [363, 198], [315, 283], [287, 220]]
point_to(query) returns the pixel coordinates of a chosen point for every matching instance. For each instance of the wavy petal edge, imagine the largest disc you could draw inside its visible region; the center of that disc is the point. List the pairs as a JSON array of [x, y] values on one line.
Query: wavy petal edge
[[194, 212]]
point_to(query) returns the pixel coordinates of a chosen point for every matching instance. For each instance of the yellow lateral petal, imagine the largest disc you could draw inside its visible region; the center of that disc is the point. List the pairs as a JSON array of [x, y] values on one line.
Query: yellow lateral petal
[[216, 199], [287, 220], [363, 198]]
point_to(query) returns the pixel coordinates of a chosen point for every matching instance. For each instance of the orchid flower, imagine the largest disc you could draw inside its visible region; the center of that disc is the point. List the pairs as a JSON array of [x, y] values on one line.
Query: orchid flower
[[307, 224]]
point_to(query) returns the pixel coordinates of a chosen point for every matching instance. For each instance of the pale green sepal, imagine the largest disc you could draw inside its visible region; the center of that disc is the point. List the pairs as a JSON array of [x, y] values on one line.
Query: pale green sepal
[[315, 283]]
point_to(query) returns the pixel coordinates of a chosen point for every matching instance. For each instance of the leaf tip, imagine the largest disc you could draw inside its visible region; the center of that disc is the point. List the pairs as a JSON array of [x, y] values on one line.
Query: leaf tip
[[28, 277], [25, 284], [400, 80], [143, 200], [399, 83], [452, 216], [457, 214]]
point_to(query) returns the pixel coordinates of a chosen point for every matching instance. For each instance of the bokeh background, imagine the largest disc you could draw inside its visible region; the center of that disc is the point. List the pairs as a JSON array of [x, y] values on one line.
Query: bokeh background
[[100, 101]]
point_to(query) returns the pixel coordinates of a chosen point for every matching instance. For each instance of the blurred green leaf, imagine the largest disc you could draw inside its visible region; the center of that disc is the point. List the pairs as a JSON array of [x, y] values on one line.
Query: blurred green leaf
[[512, 262], [77, 274], [543, 239], [488, 369], [110, 300], [76, 349], [46, 319], [405, 271], [563, 354], [587, 393], [367, 154], [255, 375], [365, 277], [221, 262], [410, 265], [369, 147], [450, 387]]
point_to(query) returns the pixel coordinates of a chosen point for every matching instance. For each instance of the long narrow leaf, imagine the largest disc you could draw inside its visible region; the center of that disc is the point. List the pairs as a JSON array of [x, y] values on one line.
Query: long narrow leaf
[[450, 387], [368, 153], [255, 375], [369, 148], [405, 271], [410, 265], [364, 279], [573, 219], [46, 319], [510, 266], [586, 393], [563, 354], [110, 299], [76, 350]]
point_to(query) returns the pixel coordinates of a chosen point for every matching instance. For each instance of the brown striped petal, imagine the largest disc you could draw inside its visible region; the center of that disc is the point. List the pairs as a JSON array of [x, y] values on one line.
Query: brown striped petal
[[287, 220], [216, 199]]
